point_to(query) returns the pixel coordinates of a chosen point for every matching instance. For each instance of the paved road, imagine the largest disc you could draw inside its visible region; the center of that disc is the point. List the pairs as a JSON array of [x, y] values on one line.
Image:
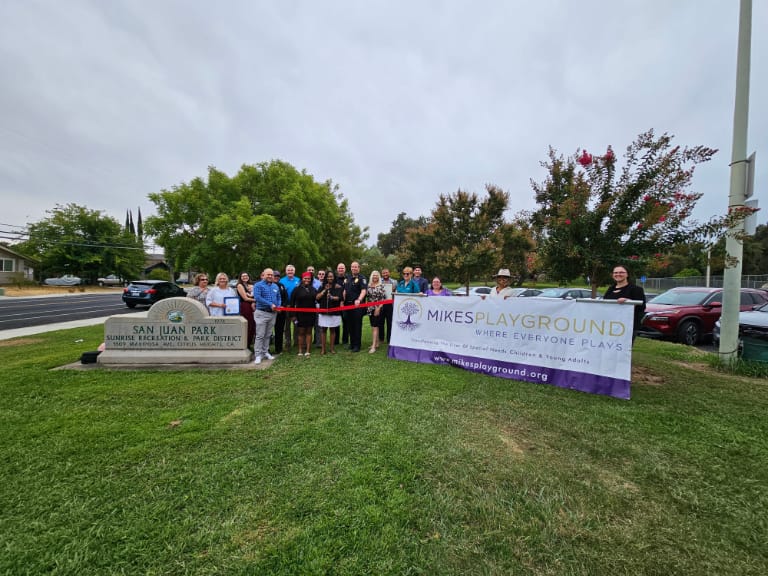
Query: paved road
[[19, 316]]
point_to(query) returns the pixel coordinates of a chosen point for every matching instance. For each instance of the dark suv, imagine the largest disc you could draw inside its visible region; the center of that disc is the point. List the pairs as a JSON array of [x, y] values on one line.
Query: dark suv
[[147, 292], [689, 314]]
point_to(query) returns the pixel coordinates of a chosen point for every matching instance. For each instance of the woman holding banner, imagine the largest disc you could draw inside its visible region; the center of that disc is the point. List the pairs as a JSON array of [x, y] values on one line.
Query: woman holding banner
[[622, 290]]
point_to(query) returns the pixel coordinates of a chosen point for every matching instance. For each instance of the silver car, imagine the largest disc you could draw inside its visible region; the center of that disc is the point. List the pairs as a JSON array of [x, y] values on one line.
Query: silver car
[[111, 280], [754, 321], [66, 280]]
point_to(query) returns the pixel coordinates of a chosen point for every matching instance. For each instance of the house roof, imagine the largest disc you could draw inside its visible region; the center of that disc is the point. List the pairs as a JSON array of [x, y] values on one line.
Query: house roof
[[7, 250]]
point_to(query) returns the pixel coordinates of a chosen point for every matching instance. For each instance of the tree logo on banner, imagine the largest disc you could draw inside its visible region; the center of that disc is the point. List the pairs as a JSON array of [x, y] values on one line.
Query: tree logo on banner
[[408, 309]]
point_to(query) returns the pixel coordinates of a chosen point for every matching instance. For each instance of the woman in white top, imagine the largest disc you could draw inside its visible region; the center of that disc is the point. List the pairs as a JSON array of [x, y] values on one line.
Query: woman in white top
[[216, 295]]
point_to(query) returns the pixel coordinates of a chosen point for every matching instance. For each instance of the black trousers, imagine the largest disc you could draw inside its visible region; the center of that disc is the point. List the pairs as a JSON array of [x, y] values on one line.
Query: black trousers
[[279, 329], [355, 327], [385, 333], [342, 334]]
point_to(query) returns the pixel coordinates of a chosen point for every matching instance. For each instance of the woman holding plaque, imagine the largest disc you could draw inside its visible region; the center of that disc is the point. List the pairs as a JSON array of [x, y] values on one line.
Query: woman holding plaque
[[216, 296]]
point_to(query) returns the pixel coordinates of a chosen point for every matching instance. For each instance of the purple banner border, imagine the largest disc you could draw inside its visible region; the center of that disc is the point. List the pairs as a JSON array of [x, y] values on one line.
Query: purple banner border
[[572, 380]]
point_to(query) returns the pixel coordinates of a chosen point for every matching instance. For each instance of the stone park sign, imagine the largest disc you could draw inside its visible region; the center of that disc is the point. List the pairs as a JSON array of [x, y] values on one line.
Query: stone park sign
[[175, 331]]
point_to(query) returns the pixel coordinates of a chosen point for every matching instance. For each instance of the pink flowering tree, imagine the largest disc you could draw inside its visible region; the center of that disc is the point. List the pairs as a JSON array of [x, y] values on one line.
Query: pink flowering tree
[[595, 212]]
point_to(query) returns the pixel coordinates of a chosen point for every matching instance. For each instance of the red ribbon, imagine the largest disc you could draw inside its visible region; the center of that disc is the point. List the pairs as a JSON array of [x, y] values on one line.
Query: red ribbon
[[337, 309]]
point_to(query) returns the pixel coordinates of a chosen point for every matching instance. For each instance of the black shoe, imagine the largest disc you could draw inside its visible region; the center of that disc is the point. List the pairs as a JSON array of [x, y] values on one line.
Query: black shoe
[[354, 349]]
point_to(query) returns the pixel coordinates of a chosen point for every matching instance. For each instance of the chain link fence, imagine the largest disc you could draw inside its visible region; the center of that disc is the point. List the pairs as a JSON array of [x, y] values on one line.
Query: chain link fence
[[664, 284]]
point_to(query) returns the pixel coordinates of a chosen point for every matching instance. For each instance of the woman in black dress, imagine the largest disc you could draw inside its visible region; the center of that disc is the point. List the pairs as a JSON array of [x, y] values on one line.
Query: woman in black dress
[[244, 291], [329, 296], [622, 290], [304, 296]]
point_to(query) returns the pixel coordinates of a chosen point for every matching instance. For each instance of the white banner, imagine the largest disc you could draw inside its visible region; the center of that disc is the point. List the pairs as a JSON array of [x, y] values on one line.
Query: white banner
[[578, 344]]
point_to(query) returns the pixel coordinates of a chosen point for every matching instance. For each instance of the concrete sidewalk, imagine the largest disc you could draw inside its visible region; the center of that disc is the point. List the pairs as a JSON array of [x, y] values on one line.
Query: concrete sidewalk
[[17, 332]]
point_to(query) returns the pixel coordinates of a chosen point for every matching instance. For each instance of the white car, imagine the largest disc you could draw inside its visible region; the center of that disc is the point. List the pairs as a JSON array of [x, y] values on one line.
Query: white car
[[754, 321], [66, 280], [111, 280], [473, 291]]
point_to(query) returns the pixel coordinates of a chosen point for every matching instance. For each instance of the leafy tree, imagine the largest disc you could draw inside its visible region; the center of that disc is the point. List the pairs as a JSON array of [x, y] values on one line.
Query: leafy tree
[[268, 214], [592, 215], [76, 240], [516, 243], [464, 238], [756, 252], [372, 259], [391, 242], [140, 229]]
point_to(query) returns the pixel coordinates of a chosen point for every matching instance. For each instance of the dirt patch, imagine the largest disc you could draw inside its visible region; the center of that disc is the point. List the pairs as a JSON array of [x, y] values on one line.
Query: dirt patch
[[697, 366], [19, 342], [641, 375]]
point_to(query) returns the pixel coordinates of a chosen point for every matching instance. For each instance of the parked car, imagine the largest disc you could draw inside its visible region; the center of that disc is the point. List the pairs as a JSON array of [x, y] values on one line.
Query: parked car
[[66, 280], [688, 315], [565, 293], [752, 321], [526, 292], [147, 292], [110, 280], [473, 291]]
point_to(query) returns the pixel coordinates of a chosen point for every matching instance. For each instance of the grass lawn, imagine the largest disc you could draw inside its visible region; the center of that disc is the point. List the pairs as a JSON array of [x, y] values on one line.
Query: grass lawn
[[356, 464]]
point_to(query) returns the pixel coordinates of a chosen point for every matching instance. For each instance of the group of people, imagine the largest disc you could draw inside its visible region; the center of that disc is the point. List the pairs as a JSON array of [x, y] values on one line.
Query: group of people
[[302, 311], [305, 311]]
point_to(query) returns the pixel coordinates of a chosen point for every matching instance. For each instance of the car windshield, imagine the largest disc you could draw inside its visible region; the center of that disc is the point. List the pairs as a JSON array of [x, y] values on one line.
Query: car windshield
[[681, 298], [553, 292]]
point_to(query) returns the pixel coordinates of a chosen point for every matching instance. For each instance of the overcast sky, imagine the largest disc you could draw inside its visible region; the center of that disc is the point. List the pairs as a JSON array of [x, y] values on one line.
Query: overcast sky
[[105, 101]]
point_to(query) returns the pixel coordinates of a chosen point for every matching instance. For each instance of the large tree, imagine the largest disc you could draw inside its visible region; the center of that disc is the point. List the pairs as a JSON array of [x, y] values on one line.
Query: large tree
[[83, 242], [268, 214], [465, 237], [593, 215], [391, 242], [756, 252]]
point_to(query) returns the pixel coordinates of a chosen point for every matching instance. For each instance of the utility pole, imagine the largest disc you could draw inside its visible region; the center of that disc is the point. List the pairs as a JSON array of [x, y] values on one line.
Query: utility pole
[[734, 248]]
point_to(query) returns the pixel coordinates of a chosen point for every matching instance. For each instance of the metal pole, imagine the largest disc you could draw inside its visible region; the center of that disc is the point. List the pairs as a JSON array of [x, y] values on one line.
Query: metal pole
[[729, 320]]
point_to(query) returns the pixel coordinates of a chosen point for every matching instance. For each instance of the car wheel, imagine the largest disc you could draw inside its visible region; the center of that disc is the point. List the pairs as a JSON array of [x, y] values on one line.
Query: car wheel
[[689, 333], [101, 284], [131, 305]]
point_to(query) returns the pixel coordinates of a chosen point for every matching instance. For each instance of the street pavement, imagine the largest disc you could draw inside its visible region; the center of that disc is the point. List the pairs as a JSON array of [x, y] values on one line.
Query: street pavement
[[30, 330]]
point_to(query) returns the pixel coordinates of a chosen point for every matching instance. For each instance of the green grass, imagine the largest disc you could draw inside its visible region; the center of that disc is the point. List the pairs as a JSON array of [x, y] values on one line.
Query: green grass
[[356, 464]]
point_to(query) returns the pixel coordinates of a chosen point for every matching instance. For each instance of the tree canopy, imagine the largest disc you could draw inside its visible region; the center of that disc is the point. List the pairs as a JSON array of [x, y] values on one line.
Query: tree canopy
[[467, 237], [268, 214], [592, 216], [83, 242], [391, 242]]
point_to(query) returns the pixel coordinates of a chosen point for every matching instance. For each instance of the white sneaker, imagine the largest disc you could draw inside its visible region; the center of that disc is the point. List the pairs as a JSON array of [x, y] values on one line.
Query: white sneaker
[[257, 360], [269, 356]]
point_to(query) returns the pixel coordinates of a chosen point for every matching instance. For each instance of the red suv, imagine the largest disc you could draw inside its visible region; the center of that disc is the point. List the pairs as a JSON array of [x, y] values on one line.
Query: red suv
[[689, 314]]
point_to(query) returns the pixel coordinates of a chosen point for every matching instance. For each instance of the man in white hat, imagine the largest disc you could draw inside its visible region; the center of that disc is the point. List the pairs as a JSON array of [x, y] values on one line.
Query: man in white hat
[[502, 291]]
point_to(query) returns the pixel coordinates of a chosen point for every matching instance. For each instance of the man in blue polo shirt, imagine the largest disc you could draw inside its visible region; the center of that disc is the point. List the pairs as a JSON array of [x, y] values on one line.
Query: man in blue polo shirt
[[266, 294]]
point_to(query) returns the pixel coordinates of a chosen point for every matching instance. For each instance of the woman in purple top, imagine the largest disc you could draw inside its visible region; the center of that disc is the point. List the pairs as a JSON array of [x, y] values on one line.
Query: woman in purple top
[[437, 288]]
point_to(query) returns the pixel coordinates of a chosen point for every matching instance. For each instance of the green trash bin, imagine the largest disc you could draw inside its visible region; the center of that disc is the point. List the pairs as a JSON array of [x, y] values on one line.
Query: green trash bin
[[2, 291], [755, 349]]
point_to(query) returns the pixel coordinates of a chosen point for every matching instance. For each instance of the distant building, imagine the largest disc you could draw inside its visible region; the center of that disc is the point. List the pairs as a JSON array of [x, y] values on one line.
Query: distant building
[[155, 261], [15, 266]]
